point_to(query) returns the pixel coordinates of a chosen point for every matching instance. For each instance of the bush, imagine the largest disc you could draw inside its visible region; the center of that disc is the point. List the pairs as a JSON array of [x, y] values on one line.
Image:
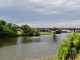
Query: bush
[[58, 32], [69, 48]]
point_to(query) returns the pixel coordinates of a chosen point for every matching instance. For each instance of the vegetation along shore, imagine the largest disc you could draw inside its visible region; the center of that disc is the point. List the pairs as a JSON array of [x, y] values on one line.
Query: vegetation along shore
[[13, 30]]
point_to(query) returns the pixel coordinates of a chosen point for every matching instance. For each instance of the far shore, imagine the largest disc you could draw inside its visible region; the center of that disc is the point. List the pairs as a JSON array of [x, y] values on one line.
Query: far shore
[[45, 33]]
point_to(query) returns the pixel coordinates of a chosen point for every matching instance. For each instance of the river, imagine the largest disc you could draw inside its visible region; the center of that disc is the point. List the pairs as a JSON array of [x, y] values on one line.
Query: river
[[29, 47]]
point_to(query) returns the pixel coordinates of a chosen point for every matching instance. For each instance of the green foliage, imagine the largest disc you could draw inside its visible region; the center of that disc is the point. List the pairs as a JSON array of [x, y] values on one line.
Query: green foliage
[[14, 28], [6, 30], [37, 32], [58, 32], [69, 48], [28, 31], [31, 32], [2, 22], [9, 25], [11, 30], [44, 30]]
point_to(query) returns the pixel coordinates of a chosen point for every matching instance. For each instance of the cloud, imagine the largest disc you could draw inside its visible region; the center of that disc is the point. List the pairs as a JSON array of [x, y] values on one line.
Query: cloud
[[6, 3], [51, 6], [77, 21], [27, 12], [51, 24], [43, 6], [43, 24]]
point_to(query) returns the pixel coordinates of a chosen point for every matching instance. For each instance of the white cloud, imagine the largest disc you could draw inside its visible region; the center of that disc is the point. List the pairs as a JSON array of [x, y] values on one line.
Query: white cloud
[[45, 23], [51, 24], [76, 21], [43, 6], [5, 3], [51, 6]]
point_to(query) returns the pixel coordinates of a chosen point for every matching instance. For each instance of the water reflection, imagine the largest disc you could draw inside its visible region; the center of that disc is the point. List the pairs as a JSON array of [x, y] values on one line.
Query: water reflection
[[19, 41], [54, 39], [7, 41], [25, 47], [16, 41], [30, 39]]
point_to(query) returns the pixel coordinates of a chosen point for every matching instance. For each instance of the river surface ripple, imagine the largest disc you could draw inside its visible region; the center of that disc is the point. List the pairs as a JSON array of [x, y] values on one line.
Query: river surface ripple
[[29, 47]]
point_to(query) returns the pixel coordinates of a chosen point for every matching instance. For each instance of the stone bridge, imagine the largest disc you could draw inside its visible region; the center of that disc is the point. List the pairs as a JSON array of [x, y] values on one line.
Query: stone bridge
[[53, 29]]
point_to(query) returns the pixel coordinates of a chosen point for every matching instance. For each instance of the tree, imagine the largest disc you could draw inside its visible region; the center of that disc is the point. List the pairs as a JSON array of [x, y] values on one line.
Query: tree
[[6, 30], [2, 22], [37, 32], [11, 30], [58, 32], [25, 29], [9, 25], [15, 27]]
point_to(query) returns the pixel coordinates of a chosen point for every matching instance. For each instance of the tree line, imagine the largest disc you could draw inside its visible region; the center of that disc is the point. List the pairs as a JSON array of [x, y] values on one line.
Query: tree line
[[11, 30]]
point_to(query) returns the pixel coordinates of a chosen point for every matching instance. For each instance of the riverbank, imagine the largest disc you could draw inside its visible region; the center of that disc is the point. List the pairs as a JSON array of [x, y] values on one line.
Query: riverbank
[[45, 33], [50, 58], [43, 58]]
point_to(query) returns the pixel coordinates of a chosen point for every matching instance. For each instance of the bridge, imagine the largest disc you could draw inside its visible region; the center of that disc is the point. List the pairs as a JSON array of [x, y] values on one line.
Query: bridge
[[53, 29]]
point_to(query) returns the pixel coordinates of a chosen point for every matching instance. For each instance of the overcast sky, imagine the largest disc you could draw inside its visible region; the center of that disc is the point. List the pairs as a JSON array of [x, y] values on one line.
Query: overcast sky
[[41, 13]]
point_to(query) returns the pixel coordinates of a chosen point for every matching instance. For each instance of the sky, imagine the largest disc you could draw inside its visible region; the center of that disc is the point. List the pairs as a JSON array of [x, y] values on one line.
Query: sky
[[41, 13]]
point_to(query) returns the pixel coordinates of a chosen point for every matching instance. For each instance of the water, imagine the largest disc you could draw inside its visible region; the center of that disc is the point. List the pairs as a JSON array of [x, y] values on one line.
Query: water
[[29, 47]]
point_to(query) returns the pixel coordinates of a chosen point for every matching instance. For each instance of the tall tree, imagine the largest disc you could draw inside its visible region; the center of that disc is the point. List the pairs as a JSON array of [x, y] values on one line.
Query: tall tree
[[9, 25], [37, 32], [15, 28], [25, 29], [2, 22]]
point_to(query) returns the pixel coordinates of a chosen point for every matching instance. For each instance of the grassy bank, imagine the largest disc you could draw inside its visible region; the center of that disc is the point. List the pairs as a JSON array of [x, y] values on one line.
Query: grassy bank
[[41, 33], [45, 33]]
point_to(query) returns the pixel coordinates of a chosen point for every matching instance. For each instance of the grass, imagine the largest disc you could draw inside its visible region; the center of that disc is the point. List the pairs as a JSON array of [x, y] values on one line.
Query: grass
[[19, 32], [45, 33], [41, 33]]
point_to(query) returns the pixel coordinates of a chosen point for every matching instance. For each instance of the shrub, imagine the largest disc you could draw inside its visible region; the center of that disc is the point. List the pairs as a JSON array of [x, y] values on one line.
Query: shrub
[[69, 48]]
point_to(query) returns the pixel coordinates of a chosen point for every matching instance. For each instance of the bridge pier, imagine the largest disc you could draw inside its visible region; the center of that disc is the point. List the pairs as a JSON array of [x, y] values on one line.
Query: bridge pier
[[73, 30], [53, 34]]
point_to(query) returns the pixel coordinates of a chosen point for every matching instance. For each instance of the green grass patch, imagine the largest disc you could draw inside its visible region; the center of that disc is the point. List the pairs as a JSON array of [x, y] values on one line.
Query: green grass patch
[[19, 32], [45, 33]]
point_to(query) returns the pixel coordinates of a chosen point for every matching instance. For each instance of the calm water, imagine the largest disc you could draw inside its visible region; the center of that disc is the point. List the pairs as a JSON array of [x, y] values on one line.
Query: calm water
[[32, 47]]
